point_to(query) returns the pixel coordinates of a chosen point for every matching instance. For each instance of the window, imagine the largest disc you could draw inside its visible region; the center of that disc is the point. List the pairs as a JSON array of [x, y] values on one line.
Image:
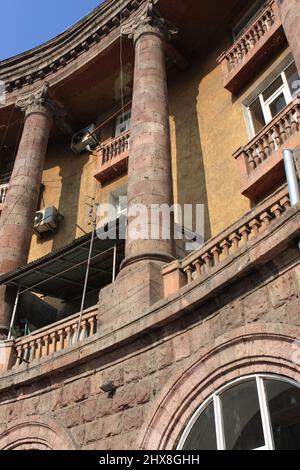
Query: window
[[274, 98], [247, 19], [123, 123], [254, 413]]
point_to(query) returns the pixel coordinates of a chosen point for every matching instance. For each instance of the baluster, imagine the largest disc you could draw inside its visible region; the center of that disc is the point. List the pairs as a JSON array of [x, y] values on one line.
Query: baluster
[[207, 261], [271, 141], [68, 330], [251, 158], [243, 48], [285, 203], [216, 252], [261, 151], [265, 218], [287, 125], [46, 345], [266, 146], [19, 355], [244, 232], [264, 23], [26, 352], [269, 21], [225, 246], [31, 351], [61, 340], [255, 154], [93, 324], [277, 137], [282, 132], [260, 29], [294, 123], [231, 62], [255, 226], [234, 238], [255, 34], [189, 272], [83, 333], [53, 337], [39, 342], [198, 266], [276, 211]]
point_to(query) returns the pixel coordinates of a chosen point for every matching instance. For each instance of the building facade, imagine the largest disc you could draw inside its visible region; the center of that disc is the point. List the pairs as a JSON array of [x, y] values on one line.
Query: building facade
[[144, 342]]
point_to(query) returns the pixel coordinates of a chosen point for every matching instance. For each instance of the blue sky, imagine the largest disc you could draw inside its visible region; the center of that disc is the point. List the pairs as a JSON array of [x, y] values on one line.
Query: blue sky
[[28, 23]]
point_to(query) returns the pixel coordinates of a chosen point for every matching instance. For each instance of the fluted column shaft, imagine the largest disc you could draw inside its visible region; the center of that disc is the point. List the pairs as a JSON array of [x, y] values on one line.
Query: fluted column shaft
[[17, 218]]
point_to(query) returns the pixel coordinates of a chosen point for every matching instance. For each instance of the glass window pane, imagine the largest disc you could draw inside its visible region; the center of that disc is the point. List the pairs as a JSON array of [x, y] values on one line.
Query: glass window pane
[[272, 88], [257, 115], [293, 79], [284, 406], [241, 417], [203, 434], [278, 105]]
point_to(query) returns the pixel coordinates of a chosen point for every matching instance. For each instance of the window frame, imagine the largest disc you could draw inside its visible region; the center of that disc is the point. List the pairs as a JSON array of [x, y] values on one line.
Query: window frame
[[219, 425], [265, 104], [121, 122]]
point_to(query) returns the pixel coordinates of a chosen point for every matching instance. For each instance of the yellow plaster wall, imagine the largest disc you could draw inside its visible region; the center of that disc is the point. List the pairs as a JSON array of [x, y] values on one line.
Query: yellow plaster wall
[[207, 126]]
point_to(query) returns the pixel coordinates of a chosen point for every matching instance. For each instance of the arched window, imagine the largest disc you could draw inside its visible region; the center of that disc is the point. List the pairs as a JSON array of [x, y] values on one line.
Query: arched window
[[253, 413]]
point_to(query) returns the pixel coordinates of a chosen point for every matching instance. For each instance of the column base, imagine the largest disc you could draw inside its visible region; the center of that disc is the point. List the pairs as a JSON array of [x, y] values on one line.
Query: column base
[[138, 286]]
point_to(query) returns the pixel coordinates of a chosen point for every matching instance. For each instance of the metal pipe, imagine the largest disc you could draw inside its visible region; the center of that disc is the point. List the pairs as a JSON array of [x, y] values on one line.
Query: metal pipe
[[114, 264], [14, 313], [292, 179], [85, 284]]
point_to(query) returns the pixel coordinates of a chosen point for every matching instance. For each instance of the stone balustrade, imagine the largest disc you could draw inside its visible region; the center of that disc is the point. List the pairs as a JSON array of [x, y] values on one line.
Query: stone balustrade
[[54, 338], [113, 157], [260, 161], [260, 39], [200, 263]]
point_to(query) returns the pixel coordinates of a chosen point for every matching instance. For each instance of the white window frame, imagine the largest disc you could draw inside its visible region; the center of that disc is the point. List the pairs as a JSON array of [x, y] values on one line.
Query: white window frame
[[219, 425], [123, 123], [265, 104]]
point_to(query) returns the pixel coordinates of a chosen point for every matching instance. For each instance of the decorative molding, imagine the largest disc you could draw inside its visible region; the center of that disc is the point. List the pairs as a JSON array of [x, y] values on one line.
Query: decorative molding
[[149, 21], [53, 56], [37, 102]]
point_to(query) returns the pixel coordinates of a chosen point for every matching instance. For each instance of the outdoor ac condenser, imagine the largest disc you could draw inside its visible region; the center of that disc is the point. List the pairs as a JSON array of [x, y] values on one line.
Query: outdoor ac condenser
[[46, 220], [84, 140]]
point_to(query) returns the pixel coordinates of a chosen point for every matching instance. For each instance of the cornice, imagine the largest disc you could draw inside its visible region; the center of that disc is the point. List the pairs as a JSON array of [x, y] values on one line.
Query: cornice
[[53, 57]]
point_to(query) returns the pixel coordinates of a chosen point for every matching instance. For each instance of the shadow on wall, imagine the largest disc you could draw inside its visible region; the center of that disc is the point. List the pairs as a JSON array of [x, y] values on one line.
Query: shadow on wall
[[62, 189], [188, 167]]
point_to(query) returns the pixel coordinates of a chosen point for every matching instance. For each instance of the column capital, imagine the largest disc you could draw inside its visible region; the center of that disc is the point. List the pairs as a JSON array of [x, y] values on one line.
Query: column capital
[[37, 102], [149, 21]]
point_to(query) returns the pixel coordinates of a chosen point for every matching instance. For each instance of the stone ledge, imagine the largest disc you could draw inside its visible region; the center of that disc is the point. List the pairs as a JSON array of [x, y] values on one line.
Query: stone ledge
[[261, 250]]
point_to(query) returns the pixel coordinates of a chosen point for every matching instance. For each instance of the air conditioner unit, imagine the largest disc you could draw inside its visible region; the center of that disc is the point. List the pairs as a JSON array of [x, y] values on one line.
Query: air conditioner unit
[[84, 140], [46, 220]]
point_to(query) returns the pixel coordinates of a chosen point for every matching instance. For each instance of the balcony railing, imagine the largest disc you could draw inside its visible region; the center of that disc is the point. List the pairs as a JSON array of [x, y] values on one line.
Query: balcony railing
[[260, 161], [3, 192], [200, 263], [263, 37], [55, 338], [113, 157]]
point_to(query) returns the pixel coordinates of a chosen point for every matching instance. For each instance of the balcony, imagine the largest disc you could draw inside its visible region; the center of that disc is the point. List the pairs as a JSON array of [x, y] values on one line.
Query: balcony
[[261, 161], [3, 193], [113, 158], [241, 238], [251, 51], [54, 338]]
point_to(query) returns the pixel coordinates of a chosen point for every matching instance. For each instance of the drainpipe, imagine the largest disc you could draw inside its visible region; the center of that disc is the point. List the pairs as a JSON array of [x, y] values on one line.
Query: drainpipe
[[292, 179]]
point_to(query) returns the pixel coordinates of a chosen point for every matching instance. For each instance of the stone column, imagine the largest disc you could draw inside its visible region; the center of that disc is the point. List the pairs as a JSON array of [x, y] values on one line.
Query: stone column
[[17, 218], [289, 11], [140, 283], [149, 171]]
